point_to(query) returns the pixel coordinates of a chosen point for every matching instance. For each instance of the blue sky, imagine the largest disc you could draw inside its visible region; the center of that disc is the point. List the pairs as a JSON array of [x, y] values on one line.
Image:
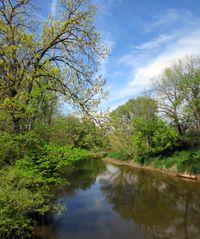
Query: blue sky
[[144, 36]]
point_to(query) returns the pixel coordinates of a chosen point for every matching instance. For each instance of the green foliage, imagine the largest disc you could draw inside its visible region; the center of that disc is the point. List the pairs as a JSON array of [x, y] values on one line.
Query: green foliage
[[181, 161], [5, 121], [140, 132], [25, 187], [65, 130], [120, 154], [9, 149], [150, 139], [178, 94], [13, 147], [166, 162], [22, 191], [35, 166], [32, 79], [153, 135], [164, 138], [191, 162], [78, 132], [36, 144], [92, 136], [53, 158], [128, 122]]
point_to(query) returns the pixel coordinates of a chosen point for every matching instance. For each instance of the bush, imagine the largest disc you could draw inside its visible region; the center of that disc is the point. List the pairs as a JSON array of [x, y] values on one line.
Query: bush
[[118, 154], [51, 159], [191, 164], [9, 149], [14, 147], [25, 186], [22, 191], [185, 161]]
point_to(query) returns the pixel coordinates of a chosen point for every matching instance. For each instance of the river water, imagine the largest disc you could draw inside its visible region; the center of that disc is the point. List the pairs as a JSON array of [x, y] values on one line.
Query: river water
[[105, 201]]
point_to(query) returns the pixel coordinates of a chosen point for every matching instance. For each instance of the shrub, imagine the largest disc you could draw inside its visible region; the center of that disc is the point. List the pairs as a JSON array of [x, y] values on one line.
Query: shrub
[[191, 164], [118, 154], [25, 186], [22, 191], [9, 149]]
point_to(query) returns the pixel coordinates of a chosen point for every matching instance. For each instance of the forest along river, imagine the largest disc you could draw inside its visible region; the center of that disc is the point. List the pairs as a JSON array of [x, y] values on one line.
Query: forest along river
[[105, 201]]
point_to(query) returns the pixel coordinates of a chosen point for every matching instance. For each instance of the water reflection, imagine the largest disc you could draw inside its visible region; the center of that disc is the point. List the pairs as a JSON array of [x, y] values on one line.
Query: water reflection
[[165, 207], [115, 202]]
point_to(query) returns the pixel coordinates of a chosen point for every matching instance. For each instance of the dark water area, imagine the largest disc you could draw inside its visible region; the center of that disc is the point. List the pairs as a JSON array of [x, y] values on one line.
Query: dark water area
[[105, 201]]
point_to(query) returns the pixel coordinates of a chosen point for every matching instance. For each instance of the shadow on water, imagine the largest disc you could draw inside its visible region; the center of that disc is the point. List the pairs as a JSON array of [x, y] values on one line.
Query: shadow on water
[[113, 202]]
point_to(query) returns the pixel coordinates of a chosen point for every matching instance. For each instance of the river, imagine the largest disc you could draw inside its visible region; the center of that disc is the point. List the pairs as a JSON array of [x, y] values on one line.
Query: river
[[105, 201]]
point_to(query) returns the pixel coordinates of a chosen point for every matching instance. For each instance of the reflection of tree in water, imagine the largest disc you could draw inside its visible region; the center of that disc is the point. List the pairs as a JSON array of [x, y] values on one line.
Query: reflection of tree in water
[[82, 176], [163, 206]]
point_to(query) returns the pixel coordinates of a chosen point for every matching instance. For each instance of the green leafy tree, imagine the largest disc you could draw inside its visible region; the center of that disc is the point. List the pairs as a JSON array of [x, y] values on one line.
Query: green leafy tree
[[78, 132], [129, 118], [170, 98], [178, 93], [190, 88], [63, 58], [139, 122]]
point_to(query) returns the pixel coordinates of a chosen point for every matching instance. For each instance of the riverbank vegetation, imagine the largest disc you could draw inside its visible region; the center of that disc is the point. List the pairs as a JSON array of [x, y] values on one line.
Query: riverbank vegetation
[[162, 128], [43, 65]]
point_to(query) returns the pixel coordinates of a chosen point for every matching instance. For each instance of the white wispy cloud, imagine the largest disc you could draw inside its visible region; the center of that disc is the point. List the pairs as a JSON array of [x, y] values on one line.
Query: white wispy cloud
[[54, 7], [141, 76], [167, 18], [145, 51], [147, 60], [162, 39]]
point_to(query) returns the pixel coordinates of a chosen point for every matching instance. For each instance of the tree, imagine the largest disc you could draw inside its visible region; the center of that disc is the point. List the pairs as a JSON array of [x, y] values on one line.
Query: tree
[[63, 58], [140, 131], [178, 93], [190, 88], [170, 98], [78, 132], [129, 118]]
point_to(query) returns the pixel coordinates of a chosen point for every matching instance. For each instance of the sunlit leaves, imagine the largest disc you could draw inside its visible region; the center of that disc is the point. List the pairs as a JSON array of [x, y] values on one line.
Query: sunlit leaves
[[62, 58]]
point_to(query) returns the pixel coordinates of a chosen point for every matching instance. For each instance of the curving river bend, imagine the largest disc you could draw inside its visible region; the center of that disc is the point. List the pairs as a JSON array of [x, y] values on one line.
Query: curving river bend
[[105, 201]]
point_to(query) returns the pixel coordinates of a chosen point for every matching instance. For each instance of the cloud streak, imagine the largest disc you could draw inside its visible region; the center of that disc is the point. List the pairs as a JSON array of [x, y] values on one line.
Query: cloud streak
[[170, 17], [147, 60], [54, 7], [142, 75], [162, 39]]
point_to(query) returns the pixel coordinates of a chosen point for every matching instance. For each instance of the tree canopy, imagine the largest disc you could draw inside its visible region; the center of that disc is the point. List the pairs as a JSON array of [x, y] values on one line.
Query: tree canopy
[[38, 62]]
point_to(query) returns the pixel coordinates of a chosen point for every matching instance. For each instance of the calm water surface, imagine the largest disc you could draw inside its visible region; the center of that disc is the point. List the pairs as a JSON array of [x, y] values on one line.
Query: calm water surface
[[116, 202]]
